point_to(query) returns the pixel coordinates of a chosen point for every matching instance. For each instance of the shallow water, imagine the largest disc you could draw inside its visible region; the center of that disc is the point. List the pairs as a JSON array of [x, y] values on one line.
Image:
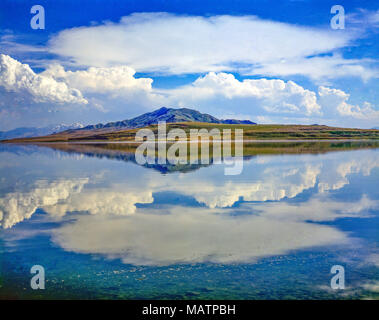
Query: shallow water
[[105, 227]]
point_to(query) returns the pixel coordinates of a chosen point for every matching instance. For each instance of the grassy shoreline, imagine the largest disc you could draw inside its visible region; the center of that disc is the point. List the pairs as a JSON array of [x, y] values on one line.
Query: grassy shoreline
[[250, 133]]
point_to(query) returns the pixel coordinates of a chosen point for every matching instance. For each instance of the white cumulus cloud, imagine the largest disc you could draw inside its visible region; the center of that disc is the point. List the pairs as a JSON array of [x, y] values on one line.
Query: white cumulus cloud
[[336, 101], [271, 95], [119, 93], [100, 80], [19, 79]]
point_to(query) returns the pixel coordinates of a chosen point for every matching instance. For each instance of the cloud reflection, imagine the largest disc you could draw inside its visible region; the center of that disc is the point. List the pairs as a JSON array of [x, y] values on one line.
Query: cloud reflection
[[106, 216], [177, 234], [20, 205]]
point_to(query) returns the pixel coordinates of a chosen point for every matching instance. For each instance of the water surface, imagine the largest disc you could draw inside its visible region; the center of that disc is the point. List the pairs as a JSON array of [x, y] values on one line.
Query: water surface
[[105, 227]]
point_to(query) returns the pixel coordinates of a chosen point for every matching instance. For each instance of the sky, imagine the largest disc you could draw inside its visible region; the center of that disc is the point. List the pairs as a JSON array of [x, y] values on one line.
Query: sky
[[267, 61]]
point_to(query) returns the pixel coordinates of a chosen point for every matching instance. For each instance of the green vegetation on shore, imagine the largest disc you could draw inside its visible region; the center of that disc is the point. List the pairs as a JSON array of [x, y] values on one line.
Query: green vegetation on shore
[[250, 132]]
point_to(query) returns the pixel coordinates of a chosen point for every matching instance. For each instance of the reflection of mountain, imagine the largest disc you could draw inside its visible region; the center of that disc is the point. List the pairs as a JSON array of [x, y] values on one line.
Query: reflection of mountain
[[121, 152], [126, 151]]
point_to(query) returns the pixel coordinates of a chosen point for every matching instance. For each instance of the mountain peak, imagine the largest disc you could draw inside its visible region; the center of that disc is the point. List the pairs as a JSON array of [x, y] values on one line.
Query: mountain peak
[[169, 115]]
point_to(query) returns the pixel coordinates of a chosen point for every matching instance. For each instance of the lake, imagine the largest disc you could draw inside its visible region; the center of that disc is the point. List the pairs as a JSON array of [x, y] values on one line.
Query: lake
[[104, 227]]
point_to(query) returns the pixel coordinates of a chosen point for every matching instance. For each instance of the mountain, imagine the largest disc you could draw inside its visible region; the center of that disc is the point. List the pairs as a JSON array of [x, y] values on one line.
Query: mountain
[[188, 119], [170, 115], [375, 128], [28, 132]]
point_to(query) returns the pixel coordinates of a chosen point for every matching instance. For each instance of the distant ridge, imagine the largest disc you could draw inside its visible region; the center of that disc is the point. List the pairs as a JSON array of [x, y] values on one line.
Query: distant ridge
[[170, 115], [28, 132]]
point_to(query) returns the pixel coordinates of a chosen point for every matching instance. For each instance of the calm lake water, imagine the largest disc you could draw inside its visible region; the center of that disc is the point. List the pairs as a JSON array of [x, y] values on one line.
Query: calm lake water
[[104, 227]]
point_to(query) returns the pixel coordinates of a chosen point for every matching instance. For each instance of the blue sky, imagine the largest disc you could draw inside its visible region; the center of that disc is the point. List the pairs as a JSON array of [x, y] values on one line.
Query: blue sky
[[268, 61]]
